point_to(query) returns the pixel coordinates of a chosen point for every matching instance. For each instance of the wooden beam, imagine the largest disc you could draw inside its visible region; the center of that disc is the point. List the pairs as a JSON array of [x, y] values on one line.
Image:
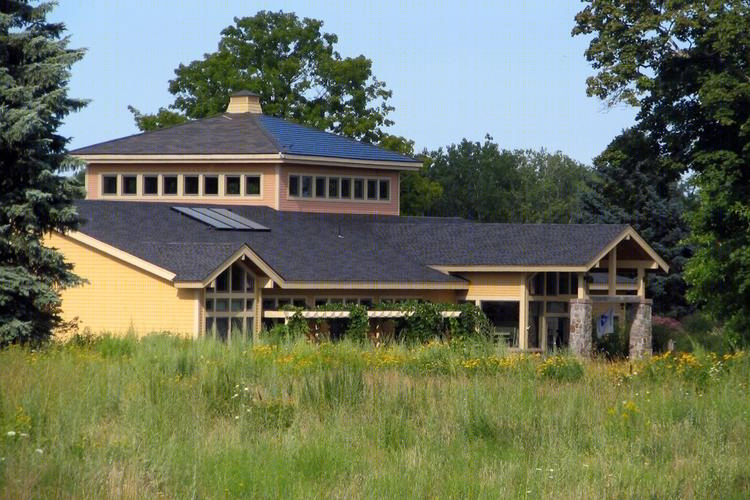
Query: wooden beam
[[583, 287], [641, 280], [612, 272]]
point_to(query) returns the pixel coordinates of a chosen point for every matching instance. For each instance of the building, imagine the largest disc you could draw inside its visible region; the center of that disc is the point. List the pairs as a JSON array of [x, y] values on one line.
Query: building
[[214, 225]]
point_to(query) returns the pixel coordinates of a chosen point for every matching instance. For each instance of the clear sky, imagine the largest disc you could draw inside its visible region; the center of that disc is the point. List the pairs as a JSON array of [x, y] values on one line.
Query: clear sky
[[457, 70]]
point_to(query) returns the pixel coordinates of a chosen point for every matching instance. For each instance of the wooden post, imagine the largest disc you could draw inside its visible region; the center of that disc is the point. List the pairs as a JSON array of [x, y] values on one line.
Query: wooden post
[[543, 327], [612, 275], [583, 287], [258, 284], [523, 316], [641, 283]]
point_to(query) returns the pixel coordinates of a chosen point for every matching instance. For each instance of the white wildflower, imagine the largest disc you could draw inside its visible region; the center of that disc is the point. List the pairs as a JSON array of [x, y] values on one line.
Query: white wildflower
[[39, 450], [11, 433]]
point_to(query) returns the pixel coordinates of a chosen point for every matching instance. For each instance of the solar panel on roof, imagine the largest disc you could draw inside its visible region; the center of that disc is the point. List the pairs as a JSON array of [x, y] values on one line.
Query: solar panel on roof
[[221, 218]]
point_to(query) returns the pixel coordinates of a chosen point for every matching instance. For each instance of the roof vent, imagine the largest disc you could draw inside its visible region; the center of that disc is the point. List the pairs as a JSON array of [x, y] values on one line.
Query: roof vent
[[244, 102]]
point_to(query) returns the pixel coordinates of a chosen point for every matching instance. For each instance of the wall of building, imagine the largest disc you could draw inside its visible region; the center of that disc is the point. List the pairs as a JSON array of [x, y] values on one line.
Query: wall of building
[[269, 186], [494, 286], [390, 207], [121, 298]]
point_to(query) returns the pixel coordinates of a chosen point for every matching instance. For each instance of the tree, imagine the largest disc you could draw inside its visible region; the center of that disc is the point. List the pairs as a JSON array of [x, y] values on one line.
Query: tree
[[34, 197], [686, 66], [482, 182], [295, 69], [631, 186]]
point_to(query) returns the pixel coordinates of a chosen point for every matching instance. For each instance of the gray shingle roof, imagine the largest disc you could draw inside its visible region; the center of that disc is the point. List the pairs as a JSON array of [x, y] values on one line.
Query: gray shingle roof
[[309, 247], [243, 133]]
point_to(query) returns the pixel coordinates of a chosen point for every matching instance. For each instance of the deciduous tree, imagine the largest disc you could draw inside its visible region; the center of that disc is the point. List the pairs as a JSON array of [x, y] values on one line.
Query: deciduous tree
[[686, 66], [295, 69]]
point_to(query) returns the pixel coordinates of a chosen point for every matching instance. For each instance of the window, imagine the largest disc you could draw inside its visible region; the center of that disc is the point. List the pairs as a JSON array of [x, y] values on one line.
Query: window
[[170, 184], [211, 185], [385, 189], [232, 185], [222, 281], [333, 187], [252, 185], [151, 184], [306, 186], [372, 189], [109, 184], [294, 185], [237, 305], [129, 184], [564, 283], [320, 187], [222, 305], [551, 283], [192, 183], [346, 187], [359, 189], [238, 278]]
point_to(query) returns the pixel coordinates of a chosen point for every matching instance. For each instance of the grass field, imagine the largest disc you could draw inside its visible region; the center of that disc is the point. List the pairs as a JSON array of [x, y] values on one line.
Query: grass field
[[168, 418]]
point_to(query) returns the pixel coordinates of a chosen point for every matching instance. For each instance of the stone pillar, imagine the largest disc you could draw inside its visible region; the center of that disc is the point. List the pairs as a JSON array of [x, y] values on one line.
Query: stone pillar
[[640, 331], [580, 327]]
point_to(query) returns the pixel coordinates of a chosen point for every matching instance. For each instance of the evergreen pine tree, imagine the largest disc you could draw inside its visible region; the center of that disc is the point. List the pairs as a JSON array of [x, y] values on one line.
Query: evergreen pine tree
[[35, 198], [632, 186]]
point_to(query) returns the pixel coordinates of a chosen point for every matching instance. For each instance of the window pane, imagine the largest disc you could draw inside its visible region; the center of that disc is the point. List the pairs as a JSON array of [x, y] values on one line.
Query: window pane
[[284, 302], [336, 301], [320, 302], [385, 189], [170, 184], [372, 189], [551, 283], [129, 184], [346, 187], [249, 304], [299, 303], [238, 277], [573, 283], [359, 189], [249, 326], [539, 284], [293, 185], [269, 304], [237, 305], [320, 187], [222, 305], [109, 184], [365, 302], [306, 186], [209, 327], [222, 328], [252, 185], [150, 184], [333, 187], [222, 281], [564, 282], [232, 185], [191, 184], [249, 282], [209, 304], [211, 185], [557, 307]]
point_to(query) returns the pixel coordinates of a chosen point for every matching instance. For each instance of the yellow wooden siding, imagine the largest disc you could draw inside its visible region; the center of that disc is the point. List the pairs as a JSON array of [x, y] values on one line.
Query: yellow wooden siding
[[120, 297], [494, 285]]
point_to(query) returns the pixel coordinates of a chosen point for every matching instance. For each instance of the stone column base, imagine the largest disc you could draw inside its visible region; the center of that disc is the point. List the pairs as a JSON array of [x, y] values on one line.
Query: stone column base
[[581, 338], [640, 331]]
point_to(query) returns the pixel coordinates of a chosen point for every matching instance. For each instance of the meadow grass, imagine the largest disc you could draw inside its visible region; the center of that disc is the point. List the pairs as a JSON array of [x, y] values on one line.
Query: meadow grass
[[170, 418]]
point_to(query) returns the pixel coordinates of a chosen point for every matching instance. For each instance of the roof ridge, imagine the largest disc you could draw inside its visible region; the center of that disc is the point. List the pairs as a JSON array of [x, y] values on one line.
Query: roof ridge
[[256, 120]]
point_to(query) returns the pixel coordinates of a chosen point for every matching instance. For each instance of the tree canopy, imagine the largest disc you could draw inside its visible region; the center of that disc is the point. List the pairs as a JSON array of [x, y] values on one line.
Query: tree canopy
[[686, 66], [481, 181], [631, 186], [34, 197], [295, 69]]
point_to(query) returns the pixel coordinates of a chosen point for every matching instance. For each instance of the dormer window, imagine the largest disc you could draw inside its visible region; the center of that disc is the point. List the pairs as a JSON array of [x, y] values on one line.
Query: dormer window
[[170, 184], [109, 184], [232, 185], [130, 184], [252, 185], [150, 185], [192, 185]]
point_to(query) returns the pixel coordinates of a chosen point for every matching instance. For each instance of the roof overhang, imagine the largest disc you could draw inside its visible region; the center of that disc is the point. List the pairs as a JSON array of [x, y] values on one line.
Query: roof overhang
[[248, 253], [120, 255], [275, 158]]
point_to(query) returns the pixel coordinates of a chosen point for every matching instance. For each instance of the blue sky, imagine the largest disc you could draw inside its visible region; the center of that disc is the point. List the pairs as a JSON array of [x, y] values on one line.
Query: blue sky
[[457, 69]]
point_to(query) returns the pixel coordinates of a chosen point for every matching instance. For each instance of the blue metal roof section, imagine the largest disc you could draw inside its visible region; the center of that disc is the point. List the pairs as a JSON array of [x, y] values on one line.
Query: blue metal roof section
[[300, 140]]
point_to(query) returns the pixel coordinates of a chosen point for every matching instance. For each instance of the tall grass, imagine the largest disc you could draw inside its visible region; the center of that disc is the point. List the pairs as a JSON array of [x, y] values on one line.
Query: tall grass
[[170, 418]]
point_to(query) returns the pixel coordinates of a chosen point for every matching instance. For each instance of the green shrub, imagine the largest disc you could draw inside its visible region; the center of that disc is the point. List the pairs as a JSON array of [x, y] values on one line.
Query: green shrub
[[358, 325]]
